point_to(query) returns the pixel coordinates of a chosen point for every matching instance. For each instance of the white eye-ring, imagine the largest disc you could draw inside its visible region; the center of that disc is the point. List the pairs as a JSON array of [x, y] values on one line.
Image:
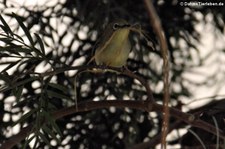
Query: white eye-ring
[[115, 26]]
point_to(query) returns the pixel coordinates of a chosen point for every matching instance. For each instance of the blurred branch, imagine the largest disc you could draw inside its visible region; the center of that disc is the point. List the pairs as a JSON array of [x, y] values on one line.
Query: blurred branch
[[148, 105], [156, 24], [94, 105]]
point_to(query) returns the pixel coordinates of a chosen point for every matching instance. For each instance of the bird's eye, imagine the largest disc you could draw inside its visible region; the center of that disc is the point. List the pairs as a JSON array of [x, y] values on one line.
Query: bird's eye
[[115, 26]]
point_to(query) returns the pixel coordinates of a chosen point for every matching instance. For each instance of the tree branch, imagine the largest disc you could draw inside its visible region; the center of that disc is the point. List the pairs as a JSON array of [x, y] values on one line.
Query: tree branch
[[156, 24], [148, 105], [94, 105]]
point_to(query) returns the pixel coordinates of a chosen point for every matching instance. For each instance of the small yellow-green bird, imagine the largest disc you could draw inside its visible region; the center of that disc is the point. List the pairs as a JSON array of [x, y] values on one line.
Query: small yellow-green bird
[[113, 48]]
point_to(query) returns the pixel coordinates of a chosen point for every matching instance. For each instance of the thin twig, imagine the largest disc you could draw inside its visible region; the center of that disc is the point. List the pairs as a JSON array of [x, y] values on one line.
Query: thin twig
[[156, 24]]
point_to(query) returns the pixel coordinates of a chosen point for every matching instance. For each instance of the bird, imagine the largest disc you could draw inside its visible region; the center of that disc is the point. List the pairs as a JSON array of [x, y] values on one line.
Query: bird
[[113, 47]]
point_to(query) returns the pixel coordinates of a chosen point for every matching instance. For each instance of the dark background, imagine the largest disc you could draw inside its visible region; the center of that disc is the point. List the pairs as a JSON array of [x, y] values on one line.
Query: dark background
[[59, 27]]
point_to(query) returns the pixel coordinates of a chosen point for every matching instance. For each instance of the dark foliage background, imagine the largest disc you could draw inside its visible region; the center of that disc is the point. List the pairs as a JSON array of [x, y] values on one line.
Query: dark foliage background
[[69, 30]]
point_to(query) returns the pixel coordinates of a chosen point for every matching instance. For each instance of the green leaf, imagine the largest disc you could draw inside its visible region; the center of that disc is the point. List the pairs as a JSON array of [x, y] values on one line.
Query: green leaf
[[40, 43], [42, 136], [6, 88], [36, 142], [18, 93], [6, 27], [10, 66], [19, 37], [55, 126], [6, 40], [28, 35], [59, 87], [21, 103], [5, 77], [27, 141], [52, 122], [23, 50], [25, 116], [57, 95], [25, 29], [15, 49], [9, 49], [51, 133]]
